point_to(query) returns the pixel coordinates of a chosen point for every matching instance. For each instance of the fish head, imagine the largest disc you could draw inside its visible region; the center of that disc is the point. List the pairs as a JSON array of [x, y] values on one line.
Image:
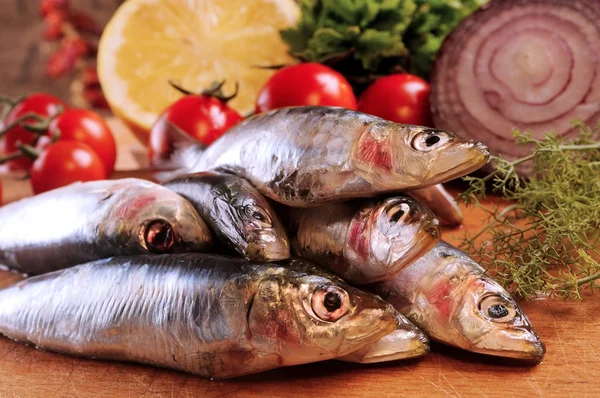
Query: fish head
[[494, 324], [459, 305], [393, 155], [388, 235], [250, 223], [308, 317], [153, 219]]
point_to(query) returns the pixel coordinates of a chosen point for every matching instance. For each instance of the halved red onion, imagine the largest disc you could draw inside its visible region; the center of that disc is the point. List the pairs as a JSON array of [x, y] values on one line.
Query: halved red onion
[[526, 64]]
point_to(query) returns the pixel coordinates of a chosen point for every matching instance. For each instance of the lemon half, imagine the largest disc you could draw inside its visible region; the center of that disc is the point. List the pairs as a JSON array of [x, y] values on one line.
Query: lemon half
[[194, 42]]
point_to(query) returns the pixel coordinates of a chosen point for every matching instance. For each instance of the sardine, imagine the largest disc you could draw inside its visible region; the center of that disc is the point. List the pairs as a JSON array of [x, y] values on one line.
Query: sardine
[[449, 296], [209, 315], [407, 341], [236, 212], [441, 202], [305, 156], [364, 241], [88, 221]]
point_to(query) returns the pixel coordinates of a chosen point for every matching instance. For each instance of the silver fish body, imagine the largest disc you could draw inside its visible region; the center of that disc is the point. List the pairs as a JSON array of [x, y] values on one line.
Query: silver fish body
[[305, 156], [88, 221], [364, 241], [209, 315], [236, 212], [450, 297]]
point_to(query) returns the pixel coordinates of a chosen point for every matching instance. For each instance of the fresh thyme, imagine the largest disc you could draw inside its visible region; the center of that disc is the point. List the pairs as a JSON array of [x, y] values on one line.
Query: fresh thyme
[[547, 241]]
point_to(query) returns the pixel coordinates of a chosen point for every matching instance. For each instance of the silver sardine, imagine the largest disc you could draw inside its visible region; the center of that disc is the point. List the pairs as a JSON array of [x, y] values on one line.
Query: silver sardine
[[305, 156], [364, 241], [450, 297], [236, 212], [88, 221], [209, 315]]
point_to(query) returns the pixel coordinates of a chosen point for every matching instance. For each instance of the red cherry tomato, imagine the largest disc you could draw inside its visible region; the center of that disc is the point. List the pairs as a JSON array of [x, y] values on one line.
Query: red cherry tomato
[[305, 84], [39, 103], [401, 98], [64, 163], [202, 117], [88, 127]]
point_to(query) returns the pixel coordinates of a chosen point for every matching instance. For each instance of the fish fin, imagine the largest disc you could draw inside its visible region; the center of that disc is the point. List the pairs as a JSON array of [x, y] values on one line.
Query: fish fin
[[175, 152]]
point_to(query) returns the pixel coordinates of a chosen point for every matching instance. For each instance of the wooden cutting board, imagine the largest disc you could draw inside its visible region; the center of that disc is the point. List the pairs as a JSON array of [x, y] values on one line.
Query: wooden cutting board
[[570, 330]]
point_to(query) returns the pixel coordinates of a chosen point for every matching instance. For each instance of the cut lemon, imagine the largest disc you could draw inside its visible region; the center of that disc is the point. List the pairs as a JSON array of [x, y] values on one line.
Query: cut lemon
[[193, 42]]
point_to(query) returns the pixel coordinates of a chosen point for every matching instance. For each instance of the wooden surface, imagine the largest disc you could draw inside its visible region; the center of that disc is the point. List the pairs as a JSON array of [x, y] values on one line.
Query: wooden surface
[[570, 330], [23, 53]]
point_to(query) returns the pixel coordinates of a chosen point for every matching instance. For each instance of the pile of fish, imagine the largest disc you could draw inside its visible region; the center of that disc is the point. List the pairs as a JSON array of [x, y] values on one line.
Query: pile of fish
[[303, 234]]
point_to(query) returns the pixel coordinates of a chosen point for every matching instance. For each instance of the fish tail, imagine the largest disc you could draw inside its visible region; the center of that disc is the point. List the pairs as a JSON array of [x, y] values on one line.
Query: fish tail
[[175, 152]]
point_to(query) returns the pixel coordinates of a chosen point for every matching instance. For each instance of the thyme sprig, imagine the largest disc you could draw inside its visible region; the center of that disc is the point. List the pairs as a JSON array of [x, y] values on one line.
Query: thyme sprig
[[547, 241]]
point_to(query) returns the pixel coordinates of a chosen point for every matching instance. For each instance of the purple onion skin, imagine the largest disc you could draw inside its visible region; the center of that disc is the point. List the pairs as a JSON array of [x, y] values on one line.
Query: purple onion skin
[[519, 64]]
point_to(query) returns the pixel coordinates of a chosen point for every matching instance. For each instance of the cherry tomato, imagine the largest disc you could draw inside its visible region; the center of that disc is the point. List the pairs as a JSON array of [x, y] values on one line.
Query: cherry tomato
[[88, 127], [400, 98], [0, 192], [203, 117], [64, 163], [39, 103], [305, 84]]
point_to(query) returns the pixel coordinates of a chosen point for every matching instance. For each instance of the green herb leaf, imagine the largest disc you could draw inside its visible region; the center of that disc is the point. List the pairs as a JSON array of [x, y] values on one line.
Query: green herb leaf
[[432, 21], [364, 39], [355, 37], [547, 241]]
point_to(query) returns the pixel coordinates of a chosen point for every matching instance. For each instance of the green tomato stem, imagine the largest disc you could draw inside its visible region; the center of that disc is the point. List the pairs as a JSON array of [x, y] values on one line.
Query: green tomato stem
[[10, 156], [21, 121], [29, 151]]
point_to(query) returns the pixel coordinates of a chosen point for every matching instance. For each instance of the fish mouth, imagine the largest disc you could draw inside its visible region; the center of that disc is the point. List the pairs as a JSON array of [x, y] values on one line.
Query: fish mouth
[[426, 241], [268, 252], [371, 327], [197, 238], [477, 156], [433, 229], [403, 343], [517, 344]]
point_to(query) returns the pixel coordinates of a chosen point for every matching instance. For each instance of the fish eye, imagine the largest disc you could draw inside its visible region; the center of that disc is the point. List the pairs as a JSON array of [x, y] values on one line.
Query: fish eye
[[259, 215], [497, 309], [429, 140], [330, 303], [393, 220], [159, 236]]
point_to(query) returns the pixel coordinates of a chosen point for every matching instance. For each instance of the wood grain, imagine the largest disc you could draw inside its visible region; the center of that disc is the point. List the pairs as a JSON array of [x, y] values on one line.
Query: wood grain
[[570, 330]]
